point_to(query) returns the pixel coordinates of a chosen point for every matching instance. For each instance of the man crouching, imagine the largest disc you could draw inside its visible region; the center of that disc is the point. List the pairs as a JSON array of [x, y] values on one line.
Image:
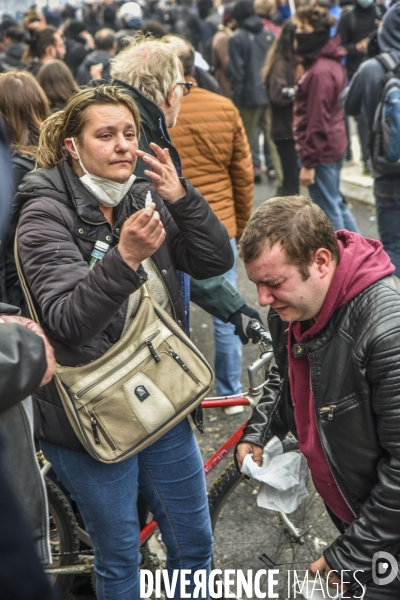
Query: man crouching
[[335, 325]]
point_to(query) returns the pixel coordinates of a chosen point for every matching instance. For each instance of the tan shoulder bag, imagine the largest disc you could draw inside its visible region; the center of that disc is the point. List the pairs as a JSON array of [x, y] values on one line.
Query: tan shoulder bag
[[146, 383]]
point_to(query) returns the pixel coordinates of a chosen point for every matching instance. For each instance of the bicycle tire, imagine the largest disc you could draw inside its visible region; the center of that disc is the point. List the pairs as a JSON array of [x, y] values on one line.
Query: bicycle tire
[[64, 540], [243, 531]]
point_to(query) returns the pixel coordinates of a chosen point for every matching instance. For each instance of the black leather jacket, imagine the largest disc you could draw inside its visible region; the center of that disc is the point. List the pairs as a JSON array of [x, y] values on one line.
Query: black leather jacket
[[355, 378]]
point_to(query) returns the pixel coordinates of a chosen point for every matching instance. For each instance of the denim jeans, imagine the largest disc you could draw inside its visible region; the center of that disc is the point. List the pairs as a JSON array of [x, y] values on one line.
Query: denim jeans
[[228, 348], [325, 192], [170, 476], [387, 198]]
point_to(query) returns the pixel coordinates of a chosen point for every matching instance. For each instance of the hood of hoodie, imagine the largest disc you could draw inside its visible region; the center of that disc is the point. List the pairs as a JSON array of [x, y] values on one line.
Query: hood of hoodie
[[15, 50], [333, 49], [362, 262], [253, 24], [96, 57], [389, 32]]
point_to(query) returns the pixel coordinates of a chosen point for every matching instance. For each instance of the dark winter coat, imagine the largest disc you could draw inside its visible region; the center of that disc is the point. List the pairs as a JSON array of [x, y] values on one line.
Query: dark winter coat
[[356, 24], [10, 287], [248, 48], [76, 52], [83, 311], [94, 58], [318, 124], [11, 57]]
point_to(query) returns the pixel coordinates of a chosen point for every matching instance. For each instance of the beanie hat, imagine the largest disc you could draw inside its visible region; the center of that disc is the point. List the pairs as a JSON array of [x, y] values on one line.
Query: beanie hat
[[242, 10], [389, 32], [75, 27]]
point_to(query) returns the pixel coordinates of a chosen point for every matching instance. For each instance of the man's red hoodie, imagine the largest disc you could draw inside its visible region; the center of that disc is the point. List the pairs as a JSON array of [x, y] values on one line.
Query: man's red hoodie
[[362, 263]]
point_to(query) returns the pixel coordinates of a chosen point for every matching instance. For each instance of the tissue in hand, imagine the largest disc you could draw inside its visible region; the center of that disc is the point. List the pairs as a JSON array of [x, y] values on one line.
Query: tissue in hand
[[284, 477]]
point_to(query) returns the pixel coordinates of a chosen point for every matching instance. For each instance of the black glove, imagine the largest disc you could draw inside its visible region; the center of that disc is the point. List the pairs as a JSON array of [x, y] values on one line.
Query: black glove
[[240, 320]]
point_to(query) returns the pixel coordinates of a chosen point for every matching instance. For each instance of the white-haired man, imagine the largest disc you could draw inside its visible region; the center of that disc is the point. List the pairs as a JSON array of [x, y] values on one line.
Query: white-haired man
[[150, 70]]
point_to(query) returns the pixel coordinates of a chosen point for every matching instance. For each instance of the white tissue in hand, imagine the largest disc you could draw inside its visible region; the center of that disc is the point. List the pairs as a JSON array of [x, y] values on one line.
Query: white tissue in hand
[[283, 475]]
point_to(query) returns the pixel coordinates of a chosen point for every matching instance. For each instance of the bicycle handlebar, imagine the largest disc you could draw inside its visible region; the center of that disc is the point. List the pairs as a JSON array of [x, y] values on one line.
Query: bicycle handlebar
[[256, 332]]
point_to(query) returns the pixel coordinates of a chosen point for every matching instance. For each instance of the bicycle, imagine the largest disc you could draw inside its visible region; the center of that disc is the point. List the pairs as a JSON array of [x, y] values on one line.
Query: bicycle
[[244, 534]]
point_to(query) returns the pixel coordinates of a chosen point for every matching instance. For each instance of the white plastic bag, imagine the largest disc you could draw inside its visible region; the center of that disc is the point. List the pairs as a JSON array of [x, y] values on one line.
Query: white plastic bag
[[283, 475]]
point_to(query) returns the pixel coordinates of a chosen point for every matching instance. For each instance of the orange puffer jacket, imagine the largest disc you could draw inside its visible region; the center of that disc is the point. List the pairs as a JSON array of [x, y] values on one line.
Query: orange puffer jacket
[[215, 155]]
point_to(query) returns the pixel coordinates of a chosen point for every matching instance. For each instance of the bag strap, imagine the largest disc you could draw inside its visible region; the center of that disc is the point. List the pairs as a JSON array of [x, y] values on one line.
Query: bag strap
[[25, 289], [387, 61]]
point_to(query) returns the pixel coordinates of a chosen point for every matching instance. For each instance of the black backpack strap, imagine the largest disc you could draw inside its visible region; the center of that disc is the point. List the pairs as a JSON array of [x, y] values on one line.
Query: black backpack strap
[[387, 61]]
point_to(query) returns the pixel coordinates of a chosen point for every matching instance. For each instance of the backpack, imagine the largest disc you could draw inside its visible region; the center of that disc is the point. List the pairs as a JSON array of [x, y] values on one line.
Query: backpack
[[386, 128]]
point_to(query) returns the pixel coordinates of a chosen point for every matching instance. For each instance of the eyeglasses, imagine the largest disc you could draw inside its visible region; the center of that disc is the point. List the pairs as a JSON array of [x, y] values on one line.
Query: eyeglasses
[[187, 86]]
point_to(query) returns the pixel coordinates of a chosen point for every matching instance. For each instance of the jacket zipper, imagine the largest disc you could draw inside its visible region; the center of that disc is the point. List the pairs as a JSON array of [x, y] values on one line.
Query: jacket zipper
[[327, 410], [322, 445], [184, 367], [96, 425], [121, 365]]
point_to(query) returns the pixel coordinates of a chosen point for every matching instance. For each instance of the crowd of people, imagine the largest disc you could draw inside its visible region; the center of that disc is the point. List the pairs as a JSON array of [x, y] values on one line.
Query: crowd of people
[[143, 127]]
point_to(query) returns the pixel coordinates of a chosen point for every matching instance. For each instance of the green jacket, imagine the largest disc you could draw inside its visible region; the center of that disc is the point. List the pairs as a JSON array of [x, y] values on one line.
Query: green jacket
[[215, 295]]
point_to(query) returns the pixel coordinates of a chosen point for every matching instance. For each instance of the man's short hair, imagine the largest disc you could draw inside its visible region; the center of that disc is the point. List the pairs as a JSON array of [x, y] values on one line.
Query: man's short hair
[[104, 39], [149, 65], [295, 222], [15, 34]]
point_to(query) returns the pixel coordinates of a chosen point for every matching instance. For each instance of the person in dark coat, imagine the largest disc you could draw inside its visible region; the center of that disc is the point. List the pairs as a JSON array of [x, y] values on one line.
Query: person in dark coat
[[78, 44], [183, 20], [279, 78], [318, 124], [26, 361], [24, 107], [355, 27], [248, 49], [44, 45], [105, 44], [14, 49]]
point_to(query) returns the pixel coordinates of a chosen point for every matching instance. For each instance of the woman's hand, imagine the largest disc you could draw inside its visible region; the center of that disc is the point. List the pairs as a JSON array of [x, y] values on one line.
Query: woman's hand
[[142, 234], [35, 327], [164, 176]]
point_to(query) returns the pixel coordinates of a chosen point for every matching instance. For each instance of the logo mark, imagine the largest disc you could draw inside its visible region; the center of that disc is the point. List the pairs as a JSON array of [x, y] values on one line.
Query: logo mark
[[141, 393], [384, 568]]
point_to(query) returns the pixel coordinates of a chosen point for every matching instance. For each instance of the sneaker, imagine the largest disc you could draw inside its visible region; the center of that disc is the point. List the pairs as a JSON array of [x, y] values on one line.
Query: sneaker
[[271, 174], [233, 410]]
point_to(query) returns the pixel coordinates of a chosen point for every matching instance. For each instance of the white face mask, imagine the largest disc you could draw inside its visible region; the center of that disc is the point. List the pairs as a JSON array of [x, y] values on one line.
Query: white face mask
[[106, 191]]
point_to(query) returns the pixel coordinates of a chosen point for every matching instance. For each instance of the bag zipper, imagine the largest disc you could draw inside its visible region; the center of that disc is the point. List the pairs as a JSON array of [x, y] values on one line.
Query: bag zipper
[[121, 365], [182, 364], [94, 429], [97, 425], [152, 350]]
